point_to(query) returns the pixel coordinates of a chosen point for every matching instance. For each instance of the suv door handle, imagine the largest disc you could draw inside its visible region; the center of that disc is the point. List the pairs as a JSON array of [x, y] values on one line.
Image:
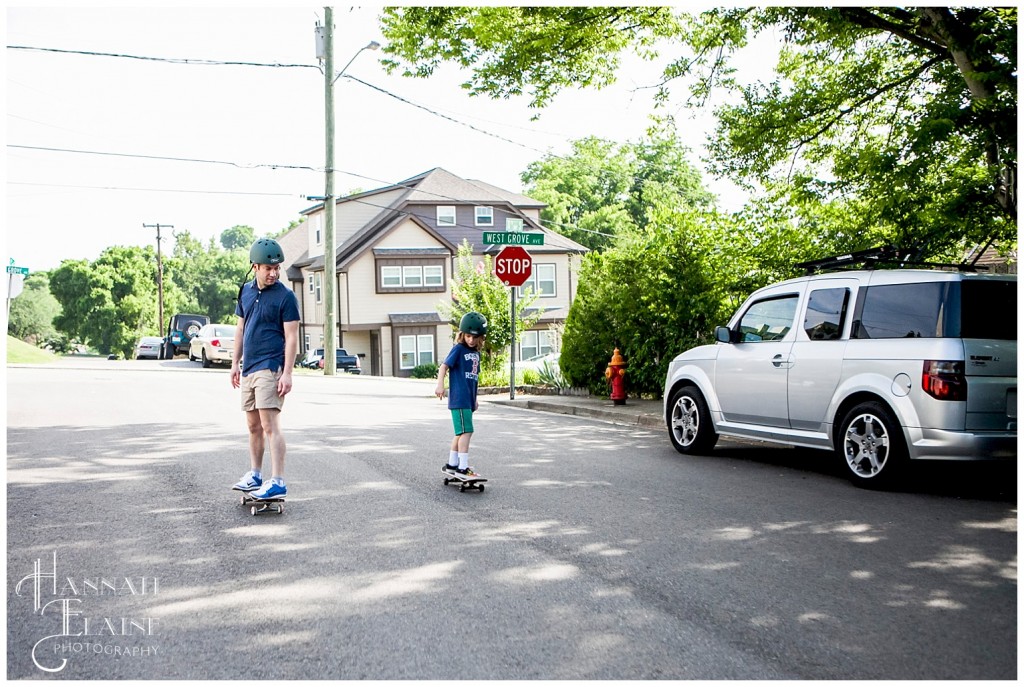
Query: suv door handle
[[777, 360]]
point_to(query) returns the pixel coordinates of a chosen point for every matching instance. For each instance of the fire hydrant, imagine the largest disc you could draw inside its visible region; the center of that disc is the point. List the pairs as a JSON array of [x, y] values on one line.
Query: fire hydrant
[[616, 374]]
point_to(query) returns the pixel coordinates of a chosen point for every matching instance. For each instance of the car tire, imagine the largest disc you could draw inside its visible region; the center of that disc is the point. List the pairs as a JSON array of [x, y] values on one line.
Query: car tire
[[169, 351], [870, 444], [206, 361], [689, 422], [191, 328]]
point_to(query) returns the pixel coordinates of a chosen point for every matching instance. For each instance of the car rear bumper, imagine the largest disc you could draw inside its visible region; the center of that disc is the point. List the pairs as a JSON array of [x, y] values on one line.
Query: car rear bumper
[[939, 444]]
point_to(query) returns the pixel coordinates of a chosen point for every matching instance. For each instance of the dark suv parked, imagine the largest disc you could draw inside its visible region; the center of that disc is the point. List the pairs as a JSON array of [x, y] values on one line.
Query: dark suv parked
[[180, 330]]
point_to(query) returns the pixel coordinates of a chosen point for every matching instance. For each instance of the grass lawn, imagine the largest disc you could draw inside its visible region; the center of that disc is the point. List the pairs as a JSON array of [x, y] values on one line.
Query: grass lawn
[[20, 352]]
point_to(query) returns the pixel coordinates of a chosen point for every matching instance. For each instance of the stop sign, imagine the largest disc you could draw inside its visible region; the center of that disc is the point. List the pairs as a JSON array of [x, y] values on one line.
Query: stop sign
[[513, 265]]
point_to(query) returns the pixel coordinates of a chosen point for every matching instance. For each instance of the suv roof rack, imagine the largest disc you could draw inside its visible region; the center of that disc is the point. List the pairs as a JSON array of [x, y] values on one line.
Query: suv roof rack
[[874, 258]]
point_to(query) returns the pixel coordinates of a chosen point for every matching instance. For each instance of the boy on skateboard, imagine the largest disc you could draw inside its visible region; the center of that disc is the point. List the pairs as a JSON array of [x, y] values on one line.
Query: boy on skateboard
[[265, 338], [463, 368]]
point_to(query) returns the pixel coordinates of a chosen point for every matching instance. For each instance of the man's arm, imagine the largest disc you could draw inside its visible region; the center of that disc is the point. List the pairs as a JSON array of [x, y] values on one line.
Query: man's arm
[[291, 342], [236, 370]]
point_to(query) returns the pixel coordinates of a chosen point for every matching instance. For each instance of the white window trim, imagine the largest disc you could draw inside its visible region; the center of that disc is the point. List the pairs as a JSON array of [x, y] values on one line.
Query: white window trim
[[318, 289], [415, 349], [454, 216], [396, 272], [431, 269], [533, 281], [490, 215]]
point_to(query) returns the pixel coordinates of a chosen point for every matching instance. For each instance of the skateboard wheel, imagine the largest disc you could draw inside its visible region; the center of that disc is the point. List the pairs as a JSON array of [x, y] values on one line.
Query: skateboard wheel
[[241, 499], [447, 481], [253, 510], [280, 509], [481, 487]]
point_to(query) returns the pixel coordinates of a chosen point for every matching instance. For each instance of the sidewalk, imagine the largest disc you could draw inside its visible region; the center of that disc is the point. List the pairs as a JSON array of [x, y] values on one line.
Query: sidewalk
[[640, 412]]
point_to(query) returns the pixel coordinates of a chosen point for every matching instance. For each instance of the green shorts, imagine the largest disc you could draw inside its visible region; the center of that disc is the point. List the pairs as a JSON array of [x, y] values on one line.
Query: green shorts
[[462, 419]]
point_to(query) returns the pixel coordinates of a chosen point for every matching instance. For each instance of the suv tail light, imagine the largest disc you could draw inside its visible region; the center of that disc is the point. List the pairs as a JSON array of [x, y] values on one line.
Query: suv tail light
[[944, 380]]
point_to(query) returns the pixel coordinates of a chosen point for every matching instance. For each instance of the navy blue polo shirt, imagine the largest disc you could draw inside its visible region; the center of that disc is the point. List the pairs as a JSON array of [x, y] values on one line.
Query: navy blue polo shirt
[[265, 312], [463, 373]]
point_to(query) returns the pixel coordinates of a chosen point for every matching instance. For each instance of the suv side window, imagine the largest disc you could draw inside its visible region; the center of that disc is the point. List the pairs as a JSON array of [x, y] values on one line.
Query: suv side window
[[826, 314], [768, 320], [897, 311]]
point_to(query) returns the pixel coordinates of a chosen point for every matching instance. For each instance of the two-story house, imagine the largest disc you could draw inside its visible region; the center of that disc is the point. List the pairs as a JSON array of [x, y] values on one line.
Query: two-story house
[[396, 250]]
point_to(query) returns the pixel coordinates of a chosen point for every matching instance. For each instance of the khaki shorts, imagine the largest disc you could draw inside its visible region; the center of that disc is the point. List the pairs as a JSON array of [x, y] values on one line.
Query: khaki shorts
[[259, 391]]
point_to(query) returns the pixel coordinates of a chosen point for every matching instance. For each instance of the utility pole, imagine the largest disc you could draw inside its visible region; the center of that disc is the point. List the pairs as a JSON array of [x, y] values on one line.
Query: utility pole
[[325, 52], [159, 273], [330, 268]]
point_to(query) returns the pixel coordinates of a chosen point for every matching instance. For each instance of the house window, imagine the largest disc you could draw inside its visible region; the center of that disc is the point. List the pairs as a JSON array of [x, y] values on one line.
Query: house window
[[318, 286], [513, 224], [433, 275], [484, 216], [310, 280], [391, 276], [415, 350], [446, 215], [417, 277], [542, 281], [534, 343], [412, 276], [305, 341], [317, 223]]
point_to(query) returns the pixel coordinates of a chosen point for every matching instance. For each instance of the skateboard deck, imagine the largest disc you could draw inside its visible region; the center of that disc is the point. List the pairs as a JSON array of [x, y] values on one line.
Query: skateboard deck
[[464, 482], [259, 506]]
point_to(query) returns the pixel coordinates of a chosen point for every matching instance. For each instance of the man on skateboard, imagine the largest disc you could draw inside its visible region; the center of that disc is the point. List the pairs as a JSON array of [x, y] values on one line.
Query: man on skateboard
[[266, 339]]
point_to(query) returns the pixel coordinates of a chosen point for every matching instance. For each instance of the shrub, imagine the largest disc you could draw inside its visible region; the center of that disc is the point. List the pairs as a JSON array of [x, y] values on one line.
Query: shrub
[[425, 371]]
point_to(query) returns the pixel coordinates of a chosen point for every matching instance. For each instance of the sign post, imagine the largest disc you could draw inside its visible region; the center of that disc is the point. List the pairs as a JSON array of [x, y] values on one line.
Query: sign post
[[513, 266]]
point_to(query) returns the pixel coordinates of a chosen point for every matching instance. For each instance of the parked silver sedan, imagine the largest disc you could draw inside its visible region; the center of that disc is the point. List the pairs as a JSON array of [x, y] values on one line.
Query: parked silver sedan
[[215, 343], [149, 347]]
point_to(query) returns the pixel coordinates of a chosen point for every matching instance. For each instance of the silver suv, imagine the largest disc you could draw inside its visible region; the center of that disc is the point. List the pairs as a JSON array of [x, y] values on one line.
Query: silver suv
[[876, 365]]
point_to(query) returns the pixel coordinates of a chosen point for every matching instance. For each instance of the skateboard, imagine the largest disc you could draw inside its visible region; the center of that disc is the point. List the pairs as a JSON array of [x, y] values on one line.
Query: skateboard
[[474, 482], [258, 506]]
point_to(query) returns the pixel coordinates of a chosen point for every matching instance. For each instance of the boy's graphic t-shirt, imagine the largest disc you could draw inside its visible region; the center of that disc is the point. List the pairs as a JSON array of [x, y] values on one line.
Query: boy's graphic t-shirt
[[463, 371]]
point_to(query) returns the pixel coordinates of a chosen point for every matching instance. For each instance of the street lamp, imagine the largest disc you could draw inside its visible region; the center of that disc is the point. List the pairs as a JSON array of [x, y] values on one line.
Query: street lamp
[[330, 267]]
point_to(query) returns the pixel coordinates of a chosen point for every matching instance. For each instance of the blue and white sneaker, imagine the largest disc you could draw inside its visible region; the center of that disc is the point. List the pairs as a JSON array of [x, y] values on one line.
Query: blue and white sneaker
[[271, 490], [249, 482]]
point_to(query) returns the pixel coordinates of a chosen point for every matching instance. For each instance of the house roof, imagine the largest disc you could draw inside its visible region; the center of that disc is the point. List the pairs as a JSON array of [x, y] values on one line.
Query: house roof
[[438, 187]]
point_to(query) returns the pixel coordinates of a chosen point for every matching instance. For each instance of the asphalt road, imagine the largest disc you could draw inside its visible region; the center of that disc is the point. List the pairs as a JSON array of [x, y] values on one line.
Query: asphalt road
[[596, 552]]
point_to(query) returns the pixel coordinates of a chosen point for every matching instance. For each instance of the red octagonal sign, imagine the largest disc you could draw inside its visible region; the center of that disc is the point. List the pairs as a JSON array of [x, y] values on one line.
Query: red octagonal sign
[[513, 265]]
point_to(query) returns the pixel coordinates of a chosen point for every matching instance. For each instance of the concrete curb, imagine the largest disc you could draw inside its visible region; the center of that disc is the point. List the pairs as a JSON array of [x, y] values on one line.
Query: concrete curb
[[621, 415]]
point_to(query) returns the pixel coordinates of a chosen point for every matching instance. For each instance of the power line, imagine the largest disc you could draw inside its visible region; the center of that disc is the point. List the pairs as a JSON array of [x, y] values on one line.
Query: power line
[[171, 60], [163, 157], [157, 190]]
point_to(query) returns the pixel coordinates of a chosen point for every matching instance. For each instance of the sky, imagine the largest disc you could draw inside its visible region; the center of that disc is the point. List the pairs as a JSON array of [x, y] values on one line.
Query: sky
[[249, 141]]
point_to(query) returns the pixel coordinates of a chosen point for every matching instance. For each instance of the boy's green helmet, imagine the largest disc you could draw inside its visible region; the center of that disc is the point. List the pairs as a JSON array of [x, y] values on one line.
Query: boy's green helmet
[[473, 323], [266, 252]]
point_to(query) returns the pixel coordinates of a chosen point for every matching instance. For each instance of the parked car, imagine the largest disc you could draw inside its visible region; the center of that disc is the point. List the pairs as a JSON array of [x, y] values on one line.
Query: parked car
[[215, 343], [312, 359], [149, 347], [539, 362], [180, 330], [343, 361], [879, 366]]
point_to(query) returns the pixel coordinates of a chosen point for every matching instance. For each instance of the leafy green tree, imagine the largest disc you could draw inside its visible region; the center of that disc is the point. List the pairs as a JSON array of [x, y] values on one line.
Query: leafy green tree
[[203, 279], [475, 288], [32, 313], [604, 189], [109, 303], [238, 236], [906, 117]]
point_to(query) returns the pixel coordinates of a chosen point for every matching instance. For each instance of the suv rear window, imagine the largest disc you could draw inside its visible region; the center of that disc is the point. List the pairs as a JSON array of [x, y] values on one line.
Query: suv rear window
[[972, 309]]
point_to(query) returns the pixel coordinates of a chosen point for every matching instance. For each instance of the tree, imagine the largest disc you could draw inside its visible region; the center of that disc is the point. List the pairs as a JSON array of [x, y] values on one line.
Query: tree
[[238, 236], [604, 189], [109, 303], [204, 279], [907, 115], [475, 288], [32, 313]]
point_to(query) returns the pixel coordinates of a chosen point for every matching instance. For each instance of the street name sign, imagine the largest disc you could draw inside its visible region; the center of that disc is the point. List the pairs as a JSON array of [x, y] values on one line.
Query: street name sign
[[513, 238], [11, 269]]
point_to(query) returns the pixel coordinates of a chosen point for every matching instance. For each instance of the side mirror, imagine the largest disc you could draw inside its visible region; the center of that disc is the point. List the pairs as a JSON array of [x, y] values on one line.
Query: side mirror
[[723, 335]]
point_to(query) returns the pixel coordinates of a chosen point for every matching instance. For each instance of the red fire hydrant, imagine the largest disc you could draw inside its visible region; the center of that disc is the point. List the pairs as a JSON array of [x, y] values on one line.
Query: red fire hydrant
[[616, 374]]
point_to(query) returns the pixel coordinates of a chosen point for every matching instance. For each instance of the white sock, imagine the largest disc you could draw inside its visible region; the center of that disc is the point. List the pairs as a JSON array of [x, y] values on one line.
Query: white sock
[[453, 458], [257, 474], [463, 461]]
